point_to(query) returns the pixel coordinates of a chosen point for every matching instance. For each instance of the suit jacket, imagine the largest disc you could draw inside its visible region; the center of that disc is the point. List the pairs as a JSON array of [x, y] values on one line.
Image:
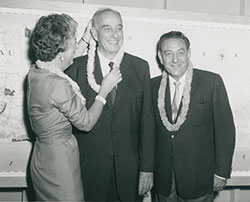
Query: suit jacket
[[204, 144], [124, 134]]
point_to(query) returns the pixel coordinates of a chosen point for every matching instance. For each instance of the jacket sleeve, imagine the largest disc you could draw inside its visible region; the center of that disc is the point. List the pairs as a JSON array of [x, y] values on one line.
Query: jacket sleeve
[[224, 130], [147, 130], [73, 70]]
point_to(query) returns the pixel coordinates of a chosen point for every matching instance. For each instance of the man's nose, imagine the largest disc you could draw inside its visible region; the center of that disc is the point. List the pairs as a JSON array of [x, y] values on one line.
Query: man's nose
[[115, 33], [175, 58]]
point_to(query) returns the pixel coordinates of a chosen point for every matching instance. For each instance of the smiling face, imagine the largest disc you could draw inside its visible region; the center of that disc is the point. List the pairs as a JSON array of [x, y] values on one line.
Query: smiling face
[[108, 31], [174, 56]]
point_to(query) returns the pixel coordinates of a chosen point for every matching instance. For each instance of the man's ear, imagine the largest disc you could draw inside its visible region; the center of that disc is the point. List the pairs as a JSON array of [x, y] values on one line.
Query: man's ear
[[160, 57], [94, 33], [189, 53]]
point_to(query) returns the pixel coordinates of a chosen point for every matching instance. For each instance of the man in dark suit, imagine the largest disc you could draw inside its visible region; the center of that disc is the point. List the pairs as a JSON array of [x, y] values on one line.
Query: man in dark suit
[[117, 155], [195, 132]]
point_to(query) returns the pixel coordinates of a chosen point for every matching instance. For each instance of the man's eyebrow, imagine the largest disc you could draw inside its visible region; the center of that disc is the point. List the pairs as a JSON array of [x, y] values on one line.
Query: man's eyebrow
[[167, 51], [104, 26], [181, 49]]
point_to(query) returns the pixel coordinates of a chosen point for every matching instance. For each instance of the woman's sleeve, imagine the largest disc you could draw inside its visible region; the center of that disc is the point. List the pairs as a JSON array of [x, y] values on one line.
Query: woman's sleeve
[[68, 103]]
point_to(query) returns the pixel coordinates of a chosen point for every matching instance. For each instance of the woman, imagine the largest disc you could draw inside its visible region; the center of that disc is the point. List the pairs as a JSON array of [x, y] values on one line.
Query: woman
[[54, 103]]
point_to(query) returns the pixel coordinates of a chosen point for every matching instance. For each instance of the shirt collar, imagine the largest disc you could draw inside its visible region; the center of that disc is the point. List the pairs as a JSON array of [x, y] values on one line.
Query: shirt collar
[[103, 60], [181, 80]]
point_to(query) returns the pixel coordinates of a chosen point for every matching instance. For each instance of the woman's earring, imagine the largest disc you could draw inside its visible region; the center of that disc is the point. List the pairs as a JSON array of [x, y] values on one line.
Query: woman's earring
[[61, 58]]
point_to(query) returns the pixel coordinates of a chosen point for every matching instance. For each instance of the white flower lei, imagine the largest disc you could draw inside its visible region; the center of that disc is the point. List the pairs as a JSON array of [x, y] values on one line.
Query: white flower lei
[[60, 73], [91, 63], [185, 101]]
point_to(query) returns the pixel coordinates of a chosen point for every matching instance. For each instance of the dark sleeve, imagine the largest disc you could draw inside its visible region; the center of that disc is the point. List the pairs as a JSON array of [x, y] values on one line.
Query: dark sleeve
[[71, 71], [147, 130], [224, 130], [77, 71]]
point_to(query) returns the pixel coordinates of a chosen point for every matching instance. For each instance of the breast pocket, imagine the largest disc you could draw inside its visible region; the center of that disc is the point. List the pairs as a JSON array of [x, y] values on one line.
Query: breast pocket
[[199, 112]]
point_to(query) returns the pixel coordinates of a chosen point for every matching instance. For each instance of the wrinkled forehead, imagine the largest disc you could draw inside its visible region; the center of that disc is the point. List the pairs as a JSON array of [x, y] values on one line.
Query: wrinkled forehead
[[108, 18]]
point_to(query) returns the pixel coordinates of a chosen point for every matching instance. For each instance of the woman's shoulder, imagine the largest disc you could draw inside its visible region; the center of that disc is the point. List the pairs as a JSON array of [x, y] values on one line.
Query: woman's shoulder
[[38, 76], [48, 81], [62, 89]]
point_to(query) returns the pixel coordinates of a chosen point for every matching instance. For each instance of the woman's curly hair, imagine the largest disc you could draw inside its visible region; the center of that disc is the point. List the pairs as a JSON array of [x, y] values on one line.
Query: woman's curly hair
[[50, 35]]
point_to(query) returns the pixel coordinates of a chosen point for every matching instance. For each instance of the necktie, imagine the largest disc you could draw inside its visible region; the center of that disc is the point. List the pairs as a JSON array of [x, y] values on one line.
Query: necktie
[[175, 102], [113, 92]]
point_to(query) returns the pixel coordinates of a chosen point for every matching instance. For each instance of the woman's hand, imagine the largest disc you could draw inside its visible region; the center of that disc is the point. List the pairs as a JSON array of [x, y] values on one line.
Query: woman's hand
[[109, 82], [87, 36], [84, 41]]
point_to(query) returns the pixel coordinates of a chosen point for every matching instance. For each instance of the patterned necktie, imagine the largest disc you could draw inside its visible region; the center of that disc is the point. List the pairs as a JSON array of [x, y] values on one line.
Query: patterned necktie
[[113, 92], [175, 102]]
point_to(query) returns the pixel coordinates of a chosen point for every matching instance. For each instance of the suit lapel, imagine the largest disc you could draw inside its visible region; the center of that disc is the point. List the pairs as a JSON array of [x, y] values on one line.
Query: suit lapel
[[99, 77], [121, 91], [193, 89], [194, 84]]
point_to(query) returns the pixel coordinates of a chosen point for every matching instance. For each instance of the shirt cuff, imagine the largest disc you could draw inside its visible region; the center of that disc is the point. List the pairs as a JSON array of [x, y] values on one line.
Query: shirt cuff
[[223, 178]]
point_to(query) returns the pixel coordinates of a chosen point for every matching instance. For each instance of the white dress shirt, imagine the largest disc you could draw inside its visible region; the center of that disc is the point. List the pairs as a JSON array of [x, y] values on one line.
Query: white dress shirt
[[104, 63], [172, 87]]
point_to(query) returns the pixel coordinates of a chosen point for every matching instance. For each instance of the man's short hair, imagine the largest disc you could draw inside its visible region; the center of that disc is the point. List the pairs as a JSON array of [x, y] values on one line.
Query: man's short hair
[[100, 12], [170, 35]]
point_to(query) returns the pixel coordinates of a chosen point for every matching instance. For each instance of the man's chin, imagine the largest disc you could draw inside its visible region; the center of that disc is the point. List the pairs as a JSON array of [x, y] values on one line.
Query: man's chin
[[114, 50], [114, 47]]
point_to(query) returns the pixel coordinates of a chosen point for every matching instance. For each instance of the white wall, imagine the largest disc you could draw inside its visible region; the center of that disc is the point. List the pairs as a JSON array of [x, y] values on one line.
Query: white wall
[[158, 4], [211, 6], [247, 7], [231, 7]]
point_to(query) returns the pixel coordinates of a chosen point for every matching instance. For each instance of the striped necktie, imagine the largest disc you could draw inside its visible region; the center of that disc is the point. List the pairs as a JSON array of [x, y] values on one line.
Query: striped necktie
[[175, 102]]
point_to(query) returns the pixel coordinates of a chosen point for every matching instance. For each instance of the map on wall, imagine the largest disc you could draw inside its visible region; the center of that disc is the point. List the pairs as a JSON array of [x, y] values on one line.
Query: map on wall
[[222, 48], [13, 69]]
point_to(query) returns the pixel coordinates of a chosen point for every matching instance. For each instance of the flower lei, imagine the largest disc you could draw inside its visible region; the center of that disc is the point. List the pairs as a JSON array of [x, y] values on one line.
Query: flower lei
[[91, 63], [74, 85], [185, 101]]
